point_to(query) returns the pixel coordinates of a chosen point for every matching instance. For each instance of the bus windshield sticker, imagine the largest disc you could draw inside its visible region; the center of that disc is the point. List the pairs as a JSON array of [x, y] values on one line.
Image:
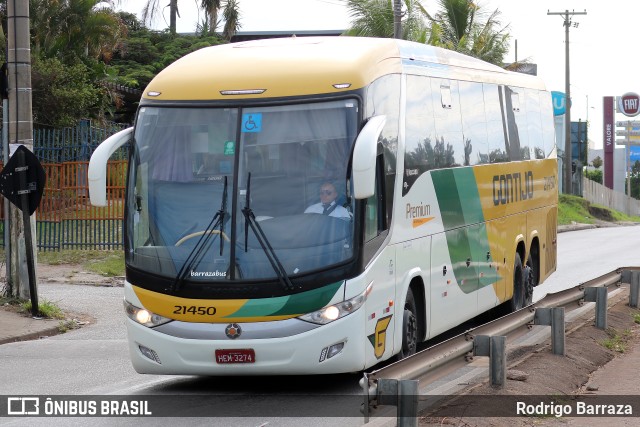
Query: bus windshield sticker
[[252, 122], [229, 148]]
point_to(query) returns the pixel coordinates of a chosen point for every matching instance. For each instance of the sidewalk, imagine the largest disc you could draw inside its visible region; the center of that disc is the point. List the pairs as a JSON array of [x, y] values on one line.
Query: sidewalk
[[17, 327]]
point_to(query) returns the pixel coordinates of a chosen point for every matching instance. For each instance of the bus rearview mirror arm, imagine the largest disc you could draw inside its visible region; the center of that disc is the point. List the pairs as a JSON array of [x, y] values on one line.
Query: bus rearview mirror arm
[[364, 158], [98, 165]]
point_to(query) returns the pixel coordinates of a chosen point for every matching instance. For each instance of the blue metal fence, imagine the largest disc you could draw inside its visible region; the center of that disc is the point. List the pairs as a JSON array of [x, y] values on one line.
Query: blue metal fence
[[65, 219]]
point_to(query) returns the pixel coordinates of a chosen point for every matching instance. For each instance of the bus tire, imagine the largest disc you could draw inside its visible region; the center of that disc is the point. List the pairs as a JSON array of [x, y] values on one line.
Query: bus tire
[[519, 286], [409, 327], [531, 279]]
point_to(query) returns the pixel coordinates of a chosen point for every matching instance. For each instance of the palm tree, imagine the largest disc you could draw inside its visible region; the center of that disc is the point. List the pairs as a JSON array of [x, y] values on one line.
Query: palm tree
[[374, 18], [231, 16], [152, 8], [462, 25], [458, 25], [81, 28], [211, 8]]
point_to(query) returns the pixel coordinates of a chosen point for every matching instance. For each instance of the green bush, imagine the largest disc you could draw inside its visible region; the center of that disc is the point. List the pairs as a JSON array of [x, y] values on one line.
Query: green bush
[[594, 175]]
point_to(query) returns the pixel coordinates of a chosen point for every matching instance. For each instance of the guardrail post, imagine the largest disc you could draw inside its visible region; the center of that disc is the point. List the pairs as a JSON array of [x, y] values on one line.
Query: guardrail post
[[494, 347], [553, 317], [599, 295], [404, 395], [407, 403], [634, 291]]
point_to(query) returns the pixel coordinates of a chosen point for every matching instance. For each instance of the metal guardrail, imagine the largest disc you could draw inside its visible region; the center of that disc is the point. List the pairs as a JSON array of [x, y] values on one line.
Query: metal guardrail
[[383, 386]]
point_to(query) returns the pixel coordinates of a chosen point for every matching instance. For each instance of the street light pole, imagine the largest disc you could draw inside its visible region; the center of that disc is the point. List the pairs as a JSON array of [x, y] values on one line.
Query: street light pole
[[567, 131]]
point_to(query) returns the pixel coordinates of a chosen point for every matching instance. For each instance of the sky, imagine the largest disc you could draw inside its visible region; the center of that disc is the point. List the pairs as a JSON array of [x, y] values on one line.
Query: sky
[[601, 47]]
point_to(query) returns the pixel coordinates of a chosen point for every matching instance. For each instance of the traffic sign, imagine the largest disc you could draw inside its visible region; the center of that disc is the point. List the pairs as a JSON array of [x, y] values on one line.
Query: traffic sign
[[23, 178], [627, 142], [628, 132], [628, 123]]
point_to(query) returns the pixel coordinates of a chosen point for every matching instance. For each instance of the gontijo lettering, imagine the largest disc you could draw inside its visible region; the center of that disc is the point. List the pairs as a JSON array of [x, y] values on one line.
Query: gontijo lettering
[[512, 187]]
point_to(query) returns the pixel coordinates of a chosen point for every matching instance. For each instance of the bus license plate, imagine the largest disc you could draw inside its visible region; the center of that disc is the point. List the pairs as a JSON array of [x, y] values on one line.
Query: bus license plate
[[244, 355]]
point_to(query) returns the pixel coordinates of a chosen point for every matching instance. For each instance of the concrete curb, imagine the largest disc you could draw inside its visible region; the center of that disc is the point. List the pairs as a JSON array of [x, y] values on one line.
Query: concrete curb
[[16, 327]]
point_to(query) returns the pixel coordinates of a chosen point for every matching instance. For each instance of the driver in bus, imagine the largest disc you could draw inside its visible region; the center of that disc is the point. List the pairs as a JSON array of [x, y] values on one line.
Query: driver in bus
[[328, 205]]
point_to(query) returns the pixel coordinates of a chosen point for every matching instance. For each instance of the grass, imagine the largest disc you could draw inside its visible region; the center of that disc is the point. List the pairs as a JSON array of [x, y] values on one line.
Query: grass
[[106, 263], [636, 318], [617, 341], [46, 308], [572, 209]]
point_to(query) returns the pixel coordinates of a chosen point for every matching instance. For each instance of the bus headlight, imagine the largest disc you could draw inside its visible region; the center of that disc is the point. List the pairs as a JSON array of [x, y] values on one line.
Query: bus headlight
[[143, 316], [336, 311]]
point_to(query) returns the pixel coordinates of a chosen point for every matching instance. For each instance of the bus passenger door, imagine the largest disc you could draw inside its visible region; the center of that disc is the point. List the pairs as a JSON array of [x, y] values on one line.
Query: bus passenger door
[[453, 280]]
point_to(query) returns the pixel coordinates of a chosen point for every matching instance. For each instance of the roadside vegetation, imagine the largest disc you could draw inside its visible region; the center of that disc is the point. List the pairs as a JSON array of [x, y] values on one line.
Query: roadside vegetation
[[617, 341], [574, 209], [47, 309], [105, 263]]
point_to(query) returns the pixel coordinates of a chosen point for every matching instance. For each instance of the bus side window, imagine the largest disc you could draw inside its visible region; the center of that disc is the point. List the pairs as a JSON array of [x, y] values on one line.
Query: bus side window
[[375, 221]]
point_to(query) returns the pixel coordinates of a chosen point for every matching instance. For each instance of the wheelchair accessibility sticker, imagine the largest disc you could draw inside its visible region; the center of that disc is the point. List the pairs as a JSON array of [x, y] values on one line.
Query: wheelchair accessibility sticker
[[252, 122]]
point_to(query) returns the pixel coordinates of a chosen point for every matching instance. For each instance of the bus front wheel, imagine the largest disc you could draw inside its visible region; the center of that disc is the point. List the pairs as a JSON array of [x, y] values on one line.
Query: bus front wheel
[[409, 327]]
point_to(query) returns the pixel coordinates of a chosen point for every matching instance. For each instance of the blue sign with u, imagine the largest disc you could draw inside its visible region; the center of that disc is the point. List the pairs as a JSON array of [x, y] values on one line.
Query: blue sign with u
[[559, 101], [252, 122]]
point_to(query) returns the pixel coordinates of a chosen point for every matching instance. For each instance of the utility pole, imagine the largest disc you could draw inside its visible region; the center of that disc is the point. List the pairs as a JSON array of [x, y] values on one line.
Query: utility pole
[[20, 125], [397, 19], [567, 131]]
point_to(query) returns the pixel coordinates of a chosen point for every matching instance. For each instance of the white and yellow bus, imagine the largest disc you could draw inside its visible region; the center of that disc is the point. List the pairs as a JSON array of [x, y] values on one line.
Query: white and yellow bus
[[445, 174]]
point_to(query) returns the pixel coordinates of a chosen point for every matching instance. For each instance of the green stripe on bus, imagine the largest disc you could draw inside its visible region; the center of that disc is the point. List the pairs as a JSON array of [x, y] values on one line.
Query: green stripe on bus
[[459, 201], [305, 302], [469, 195]]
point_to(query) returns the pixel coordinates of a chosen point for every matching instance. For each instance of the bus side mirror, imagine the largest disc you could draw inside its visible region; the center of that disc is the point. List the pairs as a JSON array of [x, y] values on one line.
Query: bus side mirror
[[364, 158], [98, 166]]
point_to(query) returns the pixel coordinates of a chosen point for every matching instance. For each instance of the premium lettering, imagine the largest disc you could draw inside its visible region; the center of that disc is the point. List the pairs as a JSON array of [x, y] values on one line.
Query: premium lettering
[[418, 211]]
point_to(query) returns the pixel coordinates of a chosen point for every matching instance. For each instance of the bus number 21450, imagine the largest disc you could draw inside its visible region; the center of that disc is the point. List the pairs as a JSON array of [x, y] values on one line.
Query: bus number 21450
[[192, 309]]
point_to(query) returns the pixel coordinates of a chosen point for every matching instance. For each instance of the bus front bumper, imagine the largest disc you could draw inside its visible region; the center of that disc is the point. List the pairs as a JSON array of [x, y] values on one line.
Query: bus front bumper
[[308, 352]]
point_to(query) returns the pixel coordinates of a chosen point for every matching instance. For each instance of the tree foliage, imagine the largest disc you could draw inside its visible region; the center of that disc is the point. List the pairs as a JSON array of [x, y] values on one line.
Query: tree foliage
[[147, 52], [62, 93], [635, 180], [459, 25], [82, 51], [594, 175]]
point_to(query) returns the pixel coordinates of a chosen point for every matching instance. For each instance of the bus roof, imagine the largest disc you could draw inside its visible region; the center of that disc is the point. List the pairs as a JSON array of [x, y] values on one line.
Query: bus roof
[[301, 66]]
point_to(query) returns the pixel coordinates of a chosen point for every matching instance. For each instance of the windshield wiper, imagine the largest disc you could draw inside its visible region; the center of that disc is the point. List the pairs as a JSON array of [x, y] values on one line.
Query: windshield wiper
[[205, 241], [250, 221]]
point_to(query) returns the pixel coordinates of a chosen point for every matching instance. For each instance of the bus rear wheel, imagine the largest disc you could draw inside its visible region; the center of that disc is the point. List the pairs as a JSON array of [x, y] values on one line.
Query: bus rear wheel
[[409, 328], [520, 285]]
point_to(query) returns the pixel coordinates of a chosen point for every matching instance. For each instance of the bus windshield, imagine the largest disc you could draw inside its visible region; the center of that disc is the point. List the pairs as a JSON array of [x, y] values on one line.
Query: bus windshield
[[228, 194]]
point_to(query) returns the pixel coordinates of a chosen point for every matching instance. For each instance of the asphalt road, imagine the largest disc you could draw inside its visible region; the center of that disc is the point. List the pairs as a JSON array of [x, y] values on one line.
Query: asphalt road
[[94, 360]]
